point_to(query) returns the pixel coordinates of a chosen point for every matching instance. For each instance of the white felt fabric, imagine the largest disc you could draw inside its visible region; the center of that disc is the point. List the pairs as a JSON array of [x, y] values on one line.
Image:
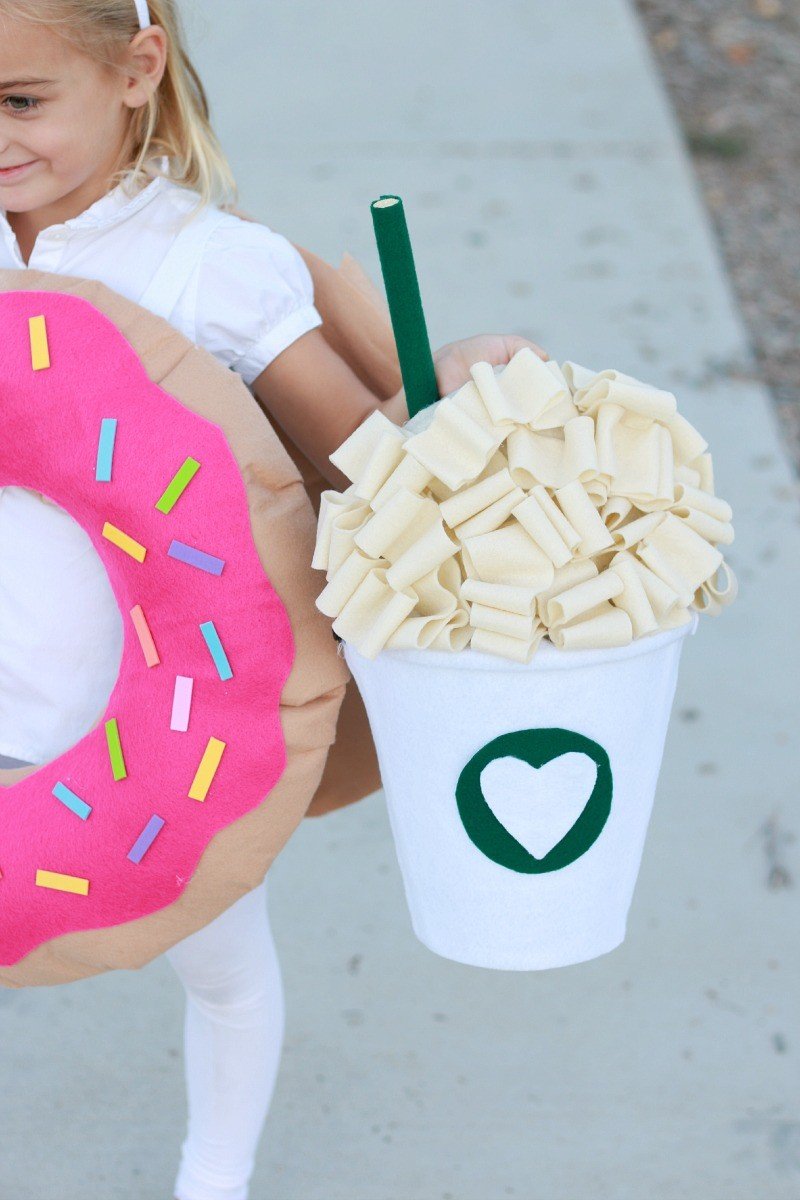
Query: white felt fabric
[[431, 712], [247, 296]]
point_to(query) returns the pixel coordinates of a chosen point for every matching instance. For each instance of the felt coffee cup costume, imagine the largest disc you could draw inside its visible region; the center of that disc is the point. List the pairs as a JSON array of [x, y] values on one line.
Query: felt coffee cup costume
[[216, 735], [513, 575]]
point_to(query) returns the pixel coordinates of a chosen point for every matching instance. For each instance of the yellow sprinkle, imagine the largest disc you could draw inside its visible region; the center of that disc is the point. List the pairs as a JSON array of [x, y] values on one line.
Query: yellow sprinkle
[[62, 883], [112, 534], [40, 352], [207, 769]]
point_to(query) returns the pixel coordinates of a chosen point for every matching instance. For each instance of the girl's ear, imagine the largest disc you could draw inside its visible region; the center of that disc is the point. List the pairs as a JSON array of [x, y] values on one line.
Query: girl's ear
[[146, 63]]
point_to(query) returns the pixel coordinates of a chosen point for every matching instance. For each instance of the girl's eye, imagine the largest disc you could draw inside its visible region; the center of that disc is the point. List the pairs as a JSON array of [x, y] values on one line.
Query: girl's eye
[[22, 104]]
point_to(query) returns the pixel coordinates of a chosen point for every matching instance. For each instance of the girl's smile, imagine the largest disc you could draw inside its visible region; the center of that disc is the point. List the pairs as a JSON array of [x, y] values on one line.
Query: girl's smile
[[9, 174], [64, 122]]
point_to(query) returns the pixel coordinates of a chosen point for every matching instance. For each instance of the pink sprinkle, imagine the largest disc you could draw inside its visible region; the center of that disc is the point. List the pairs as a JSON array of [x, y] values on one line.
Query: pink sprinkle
[[181, 703]]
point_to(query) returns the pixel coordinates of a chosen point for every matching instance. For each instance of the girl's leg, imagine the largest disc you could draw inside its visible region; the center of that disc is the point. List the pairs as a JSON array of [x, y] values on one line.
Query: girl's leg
[[233, 1039]]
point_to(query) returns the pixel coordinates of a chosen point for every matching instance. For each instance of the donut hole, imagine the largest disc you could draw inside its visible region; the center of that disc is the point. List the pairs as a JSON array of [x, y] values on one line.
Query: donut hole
[[62, 630]]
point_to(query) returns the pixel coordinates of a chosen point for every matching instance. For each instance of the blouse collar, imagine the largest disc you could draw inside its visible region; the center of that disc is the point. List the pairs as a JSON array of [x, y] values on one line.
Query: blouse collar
[[112, 208]]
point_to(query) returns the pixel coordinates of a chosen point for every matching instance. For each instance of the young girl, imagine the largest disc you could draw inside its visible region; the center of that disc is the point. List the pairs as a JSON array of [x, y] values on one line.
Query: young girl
[[109, 170]]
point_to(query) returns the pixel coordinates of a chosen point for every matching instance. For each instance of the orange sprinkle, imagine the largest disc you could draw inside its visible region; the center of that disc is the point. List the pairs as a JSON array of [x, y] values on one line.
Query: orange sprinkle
[[145, 636]]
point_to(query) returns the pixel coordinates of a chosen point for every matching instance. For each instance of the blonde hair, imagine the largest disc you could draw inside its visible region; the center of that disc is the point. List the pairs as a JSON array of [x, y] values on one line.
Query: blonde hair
[[175, 121]]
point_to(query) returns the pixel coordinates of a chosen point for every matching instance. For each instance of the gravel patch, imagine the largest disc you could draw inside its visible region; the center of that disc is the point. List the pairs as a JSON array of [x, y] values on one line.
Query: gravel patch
[[732, 68]]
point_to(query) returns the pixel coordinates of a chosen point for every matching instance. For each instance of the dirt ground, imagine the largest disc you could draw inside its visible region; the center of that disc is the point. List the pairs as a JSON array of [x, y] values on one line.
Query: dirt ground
[[732, 68]]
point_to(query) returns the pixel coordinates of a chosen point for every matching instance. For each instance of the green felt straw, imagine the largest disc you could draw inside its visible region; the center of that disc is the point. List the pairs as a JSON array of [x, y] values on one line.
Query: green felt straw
[[405, 303]]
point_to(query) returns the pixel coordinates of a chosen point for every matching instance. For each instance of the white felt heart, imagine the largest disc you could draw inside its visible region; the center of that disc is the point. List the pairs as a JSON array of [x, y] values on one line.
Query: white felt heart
[[538, 806]]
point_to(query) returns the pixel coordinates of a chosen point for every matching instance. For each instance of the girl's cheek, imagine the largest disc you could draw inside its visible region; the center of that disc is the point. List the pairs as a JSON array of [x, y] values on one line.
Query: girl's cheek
[[55, 141], [78, 140]]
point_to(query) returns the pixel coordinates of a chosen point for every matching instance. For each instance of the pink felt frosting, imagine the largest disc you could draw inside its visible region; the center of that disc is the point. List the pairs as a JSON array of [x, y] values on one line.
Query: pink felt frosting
[[51, 422]]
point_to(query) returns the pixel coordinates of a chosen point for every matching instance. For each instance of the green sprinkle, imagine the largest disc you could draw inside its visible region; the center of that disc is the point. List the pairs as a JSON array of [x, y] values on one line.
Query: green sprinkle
[[178, 485], [118, 768]]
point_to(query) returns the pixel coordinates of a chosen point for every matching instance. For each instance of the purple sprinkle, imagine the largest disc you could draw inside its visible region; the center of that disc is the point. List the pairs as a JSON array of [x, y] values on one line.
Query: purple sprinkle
[[146, 839], [196, 558]]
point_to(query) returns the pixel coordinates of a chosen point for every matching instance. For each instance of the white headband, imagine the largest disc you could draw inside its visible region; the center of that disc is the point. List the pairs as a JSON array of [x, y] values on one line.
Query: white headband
[[143, 12]]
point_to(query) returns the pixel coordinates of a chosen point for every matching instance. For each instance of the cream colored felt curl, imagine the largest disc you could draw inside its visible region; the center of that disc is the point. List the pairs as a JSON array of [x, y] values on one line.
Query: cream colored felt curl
[[536, 501]]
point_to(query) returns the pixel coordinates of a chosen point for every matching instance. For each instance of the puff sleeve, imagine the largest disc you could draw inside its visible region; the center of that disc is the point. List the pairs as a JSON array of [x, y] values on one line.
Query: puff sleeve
[[254, 297]]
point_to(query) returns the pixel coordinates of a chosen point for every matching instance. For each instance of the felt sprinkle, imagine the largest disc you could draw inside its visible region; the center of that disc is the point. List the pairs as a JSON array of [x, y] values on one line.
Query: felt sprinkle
[[181, 703], [121, 540], [178, 485], [118, 768], [209, 632], [196, 558], [146, 839], [145, 636], [40, 351], [62, 883], [105, 449], [207, 769], [73, 802]]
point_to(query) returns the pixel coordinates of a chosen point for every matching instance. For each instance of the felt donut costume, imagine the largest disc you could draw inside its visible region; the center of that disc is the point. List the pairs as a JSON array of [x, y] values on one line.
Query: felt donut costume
[[215, 738]]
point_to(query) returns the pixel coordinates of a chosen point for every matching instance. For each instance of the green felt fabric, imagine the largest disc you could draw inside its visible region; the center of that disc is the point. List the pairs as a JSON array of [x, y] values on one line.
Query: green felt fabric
[[405, 305], [535, 747]]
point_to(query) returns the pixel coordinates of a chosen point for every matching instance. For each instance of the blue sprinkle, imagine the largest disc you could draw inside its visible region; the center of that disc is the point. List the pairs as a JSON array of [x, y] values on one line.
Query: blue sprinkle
[[73, 802], [105, 449], [216, 650]]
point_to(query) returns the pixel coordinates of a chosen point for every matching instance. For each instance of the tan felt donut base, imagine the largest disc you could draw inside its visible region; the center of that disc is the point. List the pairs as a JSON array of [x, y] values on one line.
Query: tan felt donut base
[[283, 524], [356, 324]]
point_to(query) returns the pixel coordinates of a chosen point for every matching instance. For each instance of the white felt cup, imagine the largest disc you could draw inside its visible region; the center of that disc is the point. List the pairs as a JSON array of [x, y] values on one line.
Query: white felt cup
[[553, 885]]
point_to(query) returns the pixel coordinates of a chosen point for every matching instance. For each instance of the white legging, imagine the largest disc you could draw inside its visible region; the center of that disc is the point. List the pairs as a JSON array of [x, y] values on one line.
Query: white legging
[[233, 1039]]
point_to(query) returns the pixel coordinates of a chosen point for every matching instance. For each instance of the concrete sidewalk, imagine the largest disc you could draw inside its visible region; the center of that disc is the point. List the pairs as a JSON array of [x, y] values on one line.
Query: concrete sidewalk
[[547, 194]]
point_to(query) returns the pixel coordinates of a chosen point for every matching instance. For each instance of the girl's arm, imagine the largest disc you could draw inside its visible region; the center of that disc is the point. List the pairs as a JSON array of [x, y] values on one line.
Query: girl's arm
[[318, 400]]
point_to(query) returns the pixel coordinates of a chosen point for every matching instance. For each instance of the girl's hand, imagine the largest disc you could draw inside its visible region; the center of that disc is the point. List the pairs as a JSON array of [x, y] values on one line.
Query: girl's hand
[[453, 361], [318, 401]]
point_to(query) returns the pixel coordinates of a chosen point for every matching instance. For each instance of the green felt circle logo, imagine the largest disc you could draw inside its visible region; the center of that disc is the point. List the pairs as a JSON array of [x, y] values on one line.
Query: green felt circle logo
[[537, 747]]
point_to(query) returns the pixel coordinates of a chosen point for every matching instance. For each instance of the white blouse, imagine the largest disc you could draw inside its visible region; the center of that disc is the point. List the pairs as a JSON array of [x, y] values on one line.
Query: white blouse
[[240, 291], [248, 297]]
